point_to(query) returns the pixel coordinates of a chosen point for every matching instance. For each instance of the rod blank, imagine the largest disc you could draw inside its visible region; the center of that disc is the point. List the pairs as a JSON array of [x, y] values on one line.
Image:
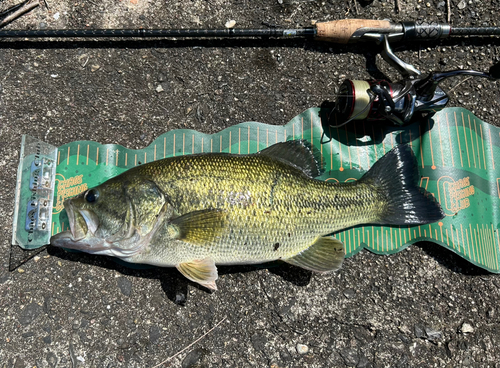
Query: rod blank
[[338, 31], [163, 33]]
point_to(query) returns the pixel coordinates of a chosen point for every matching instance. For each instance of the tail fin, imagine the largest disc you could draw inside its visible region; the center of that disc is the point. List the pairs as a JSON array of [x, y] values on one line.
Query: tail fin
[[396, 178]]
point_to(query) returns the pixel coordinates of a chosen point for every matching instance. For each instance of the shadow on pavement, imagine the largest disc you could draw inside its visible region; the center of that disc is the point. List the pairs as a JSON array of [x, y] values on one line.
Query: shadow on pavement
[[451, 260], [174, 285]]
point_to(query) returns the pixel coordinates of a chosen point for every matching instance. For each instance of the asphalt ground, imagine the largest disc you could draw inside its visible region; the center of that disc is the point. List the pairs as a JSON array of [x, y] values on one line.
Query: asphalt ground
[[422, 307]]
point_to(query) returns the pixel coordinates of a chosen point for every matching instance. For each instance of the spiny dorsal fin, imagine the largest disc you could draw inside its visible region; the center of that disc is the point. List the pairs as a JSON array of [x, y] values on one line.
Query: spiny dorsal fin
[[199, 227], [298, 153], [204, 272], [325, 254]]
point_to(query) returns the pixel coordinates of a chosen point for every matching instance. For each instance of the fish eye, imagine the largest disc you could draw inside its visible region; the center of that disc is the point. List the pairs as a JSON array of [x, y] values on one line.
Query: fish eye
[[91, 195]]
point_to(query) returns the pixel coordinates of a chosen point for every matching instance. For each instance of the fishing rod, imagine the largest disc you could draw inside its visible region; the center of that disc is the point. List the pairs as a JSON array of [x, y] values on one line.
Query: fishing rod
[[344, 31], [357, 100], [338, 31]]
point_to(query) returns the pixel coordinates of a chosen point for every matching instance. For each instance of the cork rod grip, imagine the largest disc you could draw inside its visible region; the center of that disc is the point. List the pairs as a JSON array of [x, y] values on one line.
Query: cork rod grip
[[341, 31]]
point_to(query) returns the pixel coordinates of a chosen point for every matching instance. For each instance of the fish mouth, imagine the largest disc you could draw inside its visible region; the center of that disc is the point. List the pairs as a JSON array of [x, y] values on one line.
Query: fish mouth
[[82, 223], [83, 235], [77, 224]]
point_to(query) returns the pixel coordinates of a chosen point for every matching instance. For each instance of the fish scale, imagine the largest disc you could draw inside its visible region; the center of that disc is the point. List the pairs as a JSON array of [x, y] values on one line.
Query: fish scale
[[265, 200]]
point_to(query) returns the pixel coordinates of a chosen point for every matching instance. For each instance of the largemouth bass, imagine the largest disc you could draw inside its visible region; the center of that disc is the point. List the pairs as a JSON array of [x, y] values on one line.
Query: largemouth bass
[[196, 211]]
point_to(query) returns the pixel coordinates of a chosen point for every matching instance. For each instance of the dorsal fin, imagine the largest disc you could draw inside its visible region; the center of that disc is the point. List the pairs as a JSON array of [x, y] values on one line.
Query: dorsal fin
[[298, 153]]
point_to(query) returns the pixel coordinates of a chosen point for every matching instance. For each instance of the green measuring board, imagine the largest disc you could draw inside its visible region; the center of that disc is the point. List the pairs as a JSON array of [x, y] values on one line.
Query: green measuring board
[[458, 157]]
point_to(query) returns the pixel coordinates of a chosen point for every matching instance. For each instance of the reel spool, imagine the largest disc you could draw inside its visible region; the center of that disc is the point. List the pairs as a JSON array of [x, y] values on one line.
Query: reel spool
[[368, 99], [353, 101]]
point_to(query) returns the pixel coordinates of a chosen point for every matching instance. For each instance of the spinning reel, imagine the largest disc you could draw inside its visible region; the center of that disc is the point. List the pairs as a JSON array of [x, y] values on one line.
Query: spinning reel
[[399, 102]]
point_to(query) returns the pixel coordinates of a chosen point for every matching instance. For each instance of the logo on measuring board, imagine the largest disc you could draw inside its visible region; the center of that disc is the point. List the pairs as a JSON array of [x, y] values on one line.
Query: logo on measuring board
[[67, 188], [454, 194]]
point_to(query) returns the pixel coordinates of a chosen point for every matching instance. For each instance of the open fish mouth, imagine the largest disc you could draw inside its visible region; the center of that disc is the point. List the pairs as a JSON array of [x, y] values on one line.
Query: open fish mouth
[[82, 223], [77, 224], [81, 236]]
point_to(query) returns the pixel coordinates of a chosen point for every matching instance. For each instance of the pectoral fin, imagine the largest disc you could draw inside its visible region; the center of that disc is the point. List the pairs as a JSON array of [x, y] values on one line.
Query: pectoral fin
[[199, 227], [204, 272], [325, 254]]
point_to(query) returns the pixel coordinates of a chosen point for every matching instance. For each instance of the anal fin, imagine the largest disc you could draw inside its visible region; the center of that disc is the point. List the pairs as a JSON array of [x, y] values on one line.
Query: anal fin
[[203, 272], [324, 255]]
